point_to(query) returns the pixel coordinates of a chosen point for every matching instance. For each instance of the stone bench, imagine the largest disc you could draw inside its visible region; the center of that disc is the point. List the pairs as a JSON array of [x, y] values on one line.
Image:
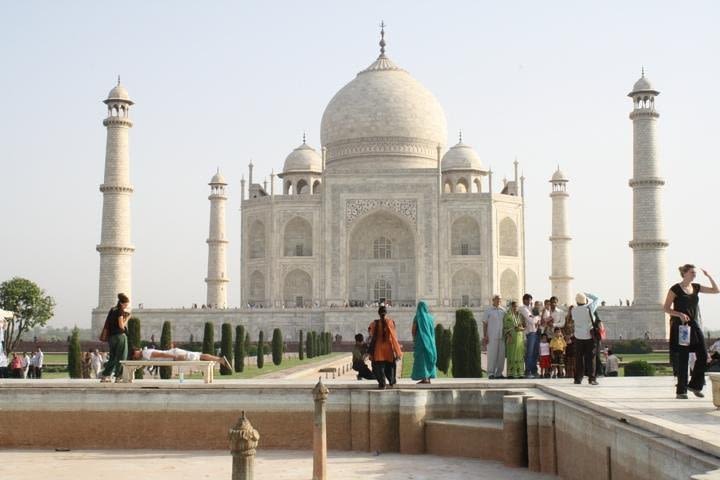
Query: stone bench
[[328, 370], [206, 366], [465, 437]]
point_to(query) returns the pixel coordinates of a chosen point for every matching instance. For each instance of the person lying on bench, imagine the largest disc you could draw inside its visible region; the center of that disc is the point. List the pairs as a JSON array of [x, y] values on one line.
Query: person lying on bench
[[176, 354]]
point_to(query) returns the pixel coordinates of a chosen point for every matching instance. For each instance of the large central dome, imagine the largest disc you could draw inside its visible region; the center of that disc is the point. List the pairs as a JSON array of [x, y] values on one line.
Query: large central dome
[[383, 112]]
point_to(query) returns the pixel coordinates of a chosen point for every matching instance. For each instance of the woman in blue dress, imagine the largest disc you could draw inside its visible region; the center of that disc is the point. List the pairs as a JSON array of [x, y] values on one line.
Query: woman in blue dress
[[423, 331]]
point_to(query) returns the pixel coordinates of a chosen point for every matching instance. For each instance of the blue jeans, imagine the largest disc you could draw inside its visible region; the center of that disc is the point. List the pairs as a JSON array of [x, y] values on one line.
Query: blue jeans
[[532, 347]]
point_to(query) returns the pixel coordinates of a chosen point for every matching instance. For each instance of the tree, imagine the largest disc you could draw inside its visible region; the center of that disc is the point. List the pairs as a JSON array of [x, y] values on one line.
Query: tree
[[277, 347], [74, 355], [240, 351], [260, 356], [328, 343], [439, 329], [209, 339], [32, 308], [166, 344], [226, 348], [316, 344], [301, 347], [446, 349], [310, 345], [466, 346], [133, 327], [247, 343]]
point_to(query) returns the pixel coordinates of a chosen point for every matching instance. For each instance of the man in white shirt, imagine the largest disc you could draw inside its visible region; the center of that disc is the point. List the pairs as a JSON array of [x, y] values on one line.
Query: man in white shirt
[[556, 315], [532, 342], [39, 357], [493, 338], [583, 316]]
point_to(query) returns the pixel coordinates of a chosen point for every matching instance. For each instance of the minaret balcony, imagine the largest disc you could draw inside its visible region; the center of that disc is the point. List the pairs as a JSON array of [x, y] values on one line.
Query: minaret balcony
[[117, 122], [116, 188], [646, 182], [115, 249]]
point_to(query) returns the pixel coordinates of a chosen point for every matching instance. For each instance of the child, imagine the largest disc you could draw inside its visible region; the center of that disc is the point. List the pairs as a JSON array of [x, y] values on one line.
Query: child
[[612, 364], [358, 359], [557, 348], [544, 356]]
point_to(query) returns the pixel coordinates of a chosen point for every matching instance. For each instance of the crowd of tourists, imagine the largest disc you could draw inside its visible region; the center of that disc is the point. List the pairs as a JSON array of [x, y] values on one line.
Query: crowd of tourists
[[21, 365]]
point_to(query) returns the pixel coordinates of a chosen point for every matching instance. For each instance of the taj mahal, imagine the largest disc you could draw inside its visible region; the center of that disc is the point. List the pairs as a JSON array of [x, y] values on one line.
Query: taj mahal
[[384, 210]]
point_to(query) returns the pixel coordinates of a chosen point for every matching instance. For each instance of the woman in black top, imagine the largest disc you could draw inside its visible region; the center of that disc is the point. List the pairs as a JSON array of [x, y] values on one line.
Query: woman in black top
[[682, 304], [117, 339]]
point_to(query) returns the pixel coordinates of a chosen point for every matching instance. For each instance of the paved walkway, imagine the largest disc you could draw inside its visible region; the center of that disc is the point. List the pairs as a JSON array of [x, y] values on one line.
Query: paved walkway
[[272, 464]]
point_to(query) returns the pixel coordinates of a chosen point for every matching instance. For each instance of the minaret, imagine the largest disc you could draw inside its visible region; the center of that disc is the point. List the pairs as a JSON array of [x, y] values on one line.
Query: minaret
[[217, 245], [115, 247], [648, 243], [560, 279]]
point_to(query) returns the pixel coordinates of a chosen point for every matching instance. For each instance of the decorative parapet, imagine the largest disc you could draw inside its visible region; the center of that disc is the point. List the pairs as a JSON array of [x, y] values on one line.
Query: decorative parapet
[[359, 207]]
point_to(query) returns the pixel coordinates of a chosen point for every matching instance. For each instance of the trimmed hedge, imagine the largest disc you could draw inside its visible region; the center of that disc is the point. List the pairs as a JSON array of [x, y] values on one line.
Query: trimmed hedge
[[226, 348], [209, 339], [439, 329], [639, 368], [301, 346], [632, 346], [134, 341], [310, 345], [445, 351], [260, 348], [74, 355], [166, 344], [240, 352], [466, 361], [277, 346]]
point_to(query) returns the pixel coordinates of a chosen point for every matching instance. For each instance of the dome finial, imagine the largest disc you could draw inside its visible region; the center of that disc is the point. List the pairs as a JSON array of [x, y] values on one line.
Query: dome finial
[[304, 138], [460, 136], [382, 38], [642, 71], [118, 80]]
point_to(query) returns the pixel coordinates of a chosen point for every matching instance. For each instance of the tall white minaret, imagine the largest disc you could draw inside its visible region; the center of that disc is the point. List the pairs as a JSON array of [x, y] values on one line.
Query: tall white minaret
[[217, 245], [648, 243], [115, 247], [560, 278]]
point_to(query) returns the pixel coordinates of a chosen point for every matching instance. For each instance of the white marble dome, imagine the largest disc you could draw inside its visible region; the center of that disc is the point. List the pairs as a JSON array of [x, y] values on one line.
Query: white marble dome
[[559, 176], [383, 111], [303, 159], [218, 179], [119, 93], [643, 85], [461, 157]]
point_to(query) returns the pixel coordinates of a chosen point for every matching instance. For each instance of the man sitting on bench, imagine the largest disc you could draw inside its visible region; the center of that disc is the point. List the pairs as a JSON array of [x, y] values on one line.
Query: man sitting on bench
[[176, 354]]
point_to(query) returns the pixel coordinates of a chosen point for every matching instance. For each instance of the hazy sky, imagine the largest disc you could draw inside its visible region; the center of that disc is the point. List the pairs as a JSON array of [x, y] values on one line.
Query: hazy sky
[[218, 83]]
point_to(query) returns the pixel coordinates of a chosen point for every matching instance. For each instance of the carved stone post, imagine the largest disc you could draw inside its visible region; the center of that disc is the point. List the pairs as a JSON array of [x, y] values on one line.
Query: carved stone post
[[320, 394], [243, 441]]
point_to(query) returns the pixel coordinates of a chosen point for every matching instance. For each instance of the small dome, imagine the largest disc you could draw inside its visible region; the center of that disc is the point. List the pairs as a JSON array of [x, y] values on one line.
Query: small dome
[[217, 179], [119, 93], [643, 85], [559, 176], [461, 157], [303, 159]]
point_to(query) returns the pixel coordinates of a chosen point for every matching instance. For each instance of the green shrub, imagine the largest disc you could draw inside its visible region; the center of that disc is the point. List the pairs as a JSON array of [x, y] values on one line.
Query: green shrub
[[166, 344], [465, 346], [310, 345], [446, 349], [209, 339], [632, 346], [74, 355], [301, 346], [277, 346], [439, 329], [639, 368], [240, 351], [329, 343], [226, 348], [134, 341], [260, 349]]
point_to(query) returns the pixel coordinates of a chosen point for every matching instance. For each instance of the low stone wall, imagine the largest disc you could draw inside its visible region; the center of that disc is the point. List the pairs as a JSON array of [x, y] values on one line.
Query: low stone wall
[[521, 426]]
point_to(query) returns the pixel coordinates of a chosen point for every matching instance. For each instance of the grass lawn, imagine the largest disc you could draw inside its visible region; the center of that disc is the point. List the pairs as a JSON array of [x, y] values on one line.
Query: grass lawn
[[407, 364], [251, 371], [648, 357]]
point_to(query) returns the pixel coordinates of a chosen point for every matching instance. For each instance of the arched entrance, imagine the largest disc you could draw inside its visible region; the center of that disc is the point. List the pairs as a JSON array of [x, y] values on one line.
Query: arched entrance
[[381, 260]]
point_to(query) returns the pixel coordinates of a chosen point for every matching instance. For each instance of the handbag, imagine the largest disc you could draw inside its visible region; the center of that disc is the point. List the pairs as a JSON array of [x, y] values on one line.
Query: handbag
[[105, 334]]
